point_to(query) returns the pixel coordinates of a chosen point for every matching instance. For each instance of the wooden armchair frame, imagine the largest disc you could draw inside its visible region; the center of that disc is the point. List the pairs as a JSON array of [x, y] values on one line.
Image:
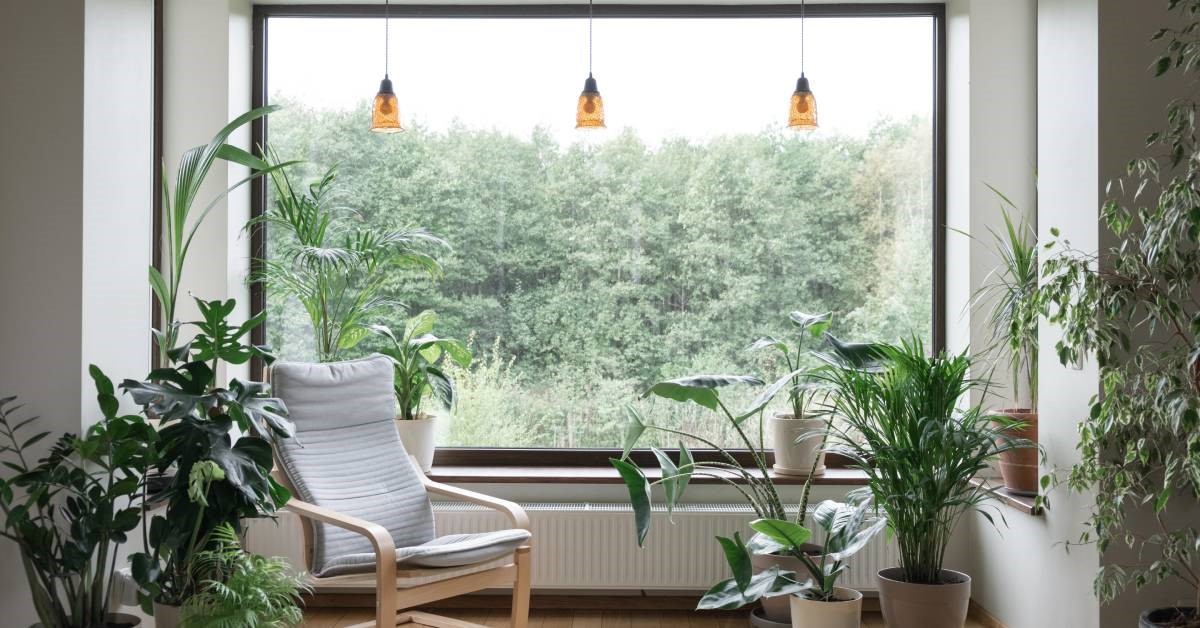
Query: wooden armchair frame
[[393, 598]]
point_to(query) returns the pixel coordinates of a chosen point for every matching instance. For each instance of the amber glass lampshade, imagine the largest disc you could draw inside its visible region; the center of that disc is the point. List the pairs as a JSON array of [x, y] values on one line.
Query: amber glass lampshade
[[802, 116], [385, 114], [589, 114]]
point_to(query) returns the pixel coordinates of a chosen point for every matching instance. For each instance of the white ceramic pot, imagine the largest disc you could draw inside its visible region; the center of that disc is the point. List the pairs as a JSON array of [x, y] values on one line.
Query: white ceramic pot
[[419, 439], [166, 616], [845, 611], [792, 458]]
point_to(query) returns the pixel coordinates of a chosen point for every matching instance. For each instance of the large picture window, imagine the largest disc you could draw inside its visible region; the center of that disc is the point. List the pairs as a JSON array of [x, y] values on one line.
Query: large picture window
[[585, 266]]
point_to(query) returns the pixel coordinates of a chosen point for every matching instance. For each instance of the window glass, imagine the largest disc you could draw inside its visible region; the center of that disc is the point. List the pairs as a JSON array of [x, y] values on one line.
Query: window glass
[[588, 265]]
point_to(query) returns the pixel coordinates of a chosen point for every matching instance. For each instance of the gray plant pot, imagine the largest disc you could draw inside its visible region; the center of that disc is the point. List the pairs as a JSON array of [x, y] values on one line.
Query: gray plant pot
[[758, 620], [909, 605], [1170, 616]]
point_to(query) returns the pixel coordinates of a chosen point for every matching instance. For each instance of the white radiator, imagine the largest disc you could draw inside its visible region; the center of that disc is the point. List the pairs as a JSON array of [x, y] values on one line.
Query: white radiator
[[592, 545]]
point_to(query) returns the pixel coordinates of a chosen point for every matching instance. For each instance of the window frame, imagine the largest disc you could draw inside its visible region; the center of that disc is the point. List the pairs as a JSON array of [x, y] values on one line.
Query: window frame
[[597, 457]]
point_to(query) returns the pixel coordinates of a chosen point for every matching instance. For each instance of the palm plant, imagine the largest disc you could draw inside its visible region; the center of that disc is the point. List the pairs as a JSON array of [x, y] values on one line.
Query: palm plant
[[180, 223], [336, 273], [241, 590], [418, 356], [901, 426], [1011, 294]]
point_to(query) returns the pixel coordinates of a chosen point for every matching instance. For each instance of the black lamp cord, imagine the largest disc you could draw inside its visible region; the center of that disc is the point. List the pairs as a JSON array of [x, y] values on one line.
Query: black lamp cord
[[801, 37], [387, 37], [590, 38]]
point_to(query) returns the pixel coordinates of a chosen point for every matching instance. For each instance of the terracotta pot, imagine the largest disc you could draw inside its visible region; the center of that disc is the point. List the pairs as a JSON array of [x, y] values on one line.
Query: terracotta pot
[[1020, 466], [1164, 617], [166, 616], [908, 605], [844, 612], [419, 439], [778, 608], [792, 458], [114, 620]]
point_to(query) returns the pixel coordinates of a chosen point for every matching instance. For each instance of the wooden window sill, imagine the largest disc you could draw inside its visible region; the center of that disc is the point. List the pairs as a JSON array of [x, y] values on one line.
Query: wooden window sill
[[460, 474], [1021, 503]]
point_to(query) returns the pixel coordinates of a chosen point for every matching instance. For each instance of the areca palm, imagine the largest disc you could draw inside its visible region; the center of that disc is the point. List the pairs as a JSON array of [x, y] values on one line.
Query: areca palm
[[336, 273]]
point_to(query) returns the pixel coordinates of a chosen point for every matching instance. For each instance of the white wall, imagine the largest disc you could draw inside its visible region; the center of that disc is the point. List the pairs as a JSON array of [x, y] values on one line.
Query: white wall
[[206, 84], [75, 186]]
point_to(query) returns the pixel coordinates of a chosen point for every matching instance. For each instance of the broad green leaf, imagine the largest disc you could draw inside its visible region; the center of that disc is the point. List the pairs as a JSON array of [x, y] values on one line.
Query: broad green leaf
[[739, 560], [639, 496], [671, 479], [767, 395], [727, 595], [814, 324], [420, 324], [699, 388], [792, 536]]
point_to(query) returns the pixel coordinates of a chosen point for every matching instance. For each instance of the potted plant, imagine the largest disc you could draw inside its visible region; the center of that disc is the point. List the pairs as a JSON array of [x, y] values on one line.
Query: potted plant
[[901, 425], [418, 356], [336, 273], [1133, 308], [237, 588], [213, 456], [769, 571], [819, 603], [69, 512], [794, 454], [1011, 295]]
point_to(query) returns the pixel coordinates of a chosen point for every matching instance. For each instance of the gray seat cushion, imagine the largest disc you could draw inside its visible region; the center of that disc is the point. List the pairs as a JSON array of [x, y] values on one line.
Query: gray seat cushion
[[452, 550]]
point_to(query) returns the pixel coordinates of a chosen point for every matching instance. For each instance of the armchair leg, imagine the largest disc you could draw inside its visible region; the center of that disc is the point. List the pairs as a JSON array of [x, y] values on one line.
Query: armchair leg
[[520, 598]]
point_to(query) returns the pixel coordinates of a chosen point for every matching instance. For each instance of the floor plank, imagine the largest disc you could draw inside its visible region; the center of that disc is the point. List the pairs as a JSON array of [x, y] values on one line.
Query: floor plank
[[588, 619]]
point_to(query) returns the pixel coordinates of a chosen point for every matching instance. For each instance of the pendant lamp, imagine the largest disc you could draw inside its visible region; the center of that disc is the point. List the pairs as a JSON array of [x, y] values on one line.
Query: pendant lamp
[[385, 113], [802, 114], [589, 113]]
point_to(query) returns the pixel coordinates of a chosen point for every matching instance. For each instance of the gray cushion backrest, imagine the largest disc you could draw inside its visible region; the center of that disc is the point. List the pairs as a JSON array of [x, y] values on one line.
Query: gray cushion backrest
[[347, 455]]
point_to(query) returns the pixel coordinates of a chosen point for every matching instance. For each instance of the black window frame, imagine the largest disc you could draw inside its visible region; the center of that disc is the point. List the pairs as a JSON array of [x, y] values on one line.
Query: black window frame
[[591, 457]]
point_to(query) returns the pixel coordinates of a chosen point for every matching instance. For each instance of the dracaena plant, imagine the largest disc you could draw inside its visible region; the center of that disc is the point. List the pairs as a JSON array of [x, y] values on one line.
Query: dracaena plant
[[901, 424], [1011, 296], [336, 272], [216, 440], [809, 327], [847, 528], [1134, 308], [418, 356], [69, 511]]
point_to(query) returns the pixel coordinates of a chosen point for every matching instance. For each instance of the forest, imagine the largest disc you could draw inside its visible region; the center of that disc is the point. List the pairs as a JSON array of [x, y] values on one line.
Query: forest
[[582, 273]]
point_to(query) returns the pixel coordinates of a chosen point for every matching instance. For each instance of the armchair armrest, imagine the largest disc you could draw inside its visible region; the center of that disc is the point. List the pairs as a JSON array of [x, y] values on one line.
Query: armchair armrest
[[516, 515], [381, 539]]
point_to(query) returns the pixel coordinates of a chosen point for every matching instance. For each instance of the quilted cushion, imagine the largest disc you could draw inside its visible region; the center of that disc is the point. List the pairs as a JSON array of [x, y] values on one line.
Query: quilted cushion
[[347, 455], [452, 550]]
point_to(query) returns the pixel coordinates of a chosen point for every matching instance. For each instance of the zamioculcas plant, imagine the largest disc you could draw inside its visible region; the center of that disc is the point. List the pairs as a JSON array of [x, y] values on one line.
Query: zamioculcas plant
[[69, 511]]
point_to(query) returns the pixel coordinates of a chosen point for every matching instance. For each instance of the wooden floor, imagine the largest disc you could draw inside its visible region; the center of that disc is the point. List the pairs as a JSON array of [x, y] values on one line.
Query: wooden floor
[[545, 618]]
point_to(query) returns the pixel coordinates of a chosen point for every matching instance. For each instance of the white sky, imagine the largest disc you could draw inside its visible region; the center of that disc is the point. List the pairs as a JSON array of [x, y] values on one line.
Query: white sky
[[696, 78]]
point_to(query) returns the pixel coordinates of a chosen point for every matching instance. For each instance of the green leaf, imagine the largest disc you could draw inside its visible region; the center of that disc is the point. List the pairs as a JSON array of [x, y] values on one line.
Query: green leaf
[[670, 482], [727, 595], [739, 560], [1162, 65], [792, 536], [767, 395], [635, 426], [639, 496], [814, 324], [700, 389]]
